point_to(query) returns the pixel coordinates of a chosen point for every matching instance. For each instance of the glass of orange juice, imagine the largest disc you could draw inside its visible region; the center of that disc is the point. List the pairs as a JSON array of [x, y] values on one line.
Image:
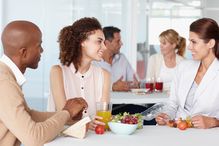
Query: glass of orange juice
[[103, 110]]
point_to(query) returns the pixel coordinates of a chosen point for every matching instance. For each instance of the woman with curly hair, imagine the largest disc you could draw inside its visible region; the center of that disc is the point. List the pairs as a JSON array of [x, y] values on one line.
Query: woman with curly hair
[[80, 44]]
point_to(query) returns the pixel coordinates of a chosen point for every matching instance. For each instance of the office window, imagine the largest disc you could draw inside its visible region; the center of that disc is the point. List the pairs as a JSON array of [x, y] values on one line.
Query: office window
[[162, 15], [175, 15], [141, 21]]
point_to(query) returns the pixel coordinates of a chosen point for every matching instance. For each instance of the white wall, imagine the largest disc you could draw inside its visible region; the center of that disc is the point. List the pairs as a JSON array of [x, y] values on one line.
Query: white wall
[[211, 9], [119, 13], [52, 15], [130, 16]]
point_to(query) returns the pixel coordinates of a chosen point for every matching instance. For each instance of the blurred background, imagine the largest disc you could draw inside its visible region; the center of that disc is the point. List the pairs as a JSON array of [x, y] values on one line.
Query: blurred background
[[141, 22]]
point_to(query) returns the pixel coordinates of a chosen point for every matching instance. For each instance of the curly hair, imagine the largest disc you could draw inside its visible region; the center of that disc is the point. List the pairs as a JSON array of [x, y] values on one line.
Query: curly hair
[[71, 37]]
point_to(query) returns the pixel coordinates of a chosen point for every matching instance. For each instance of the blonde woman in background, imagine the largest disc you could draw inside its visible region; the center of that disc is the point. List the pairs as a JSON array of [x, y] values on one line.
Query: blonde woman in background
[[162, 65]]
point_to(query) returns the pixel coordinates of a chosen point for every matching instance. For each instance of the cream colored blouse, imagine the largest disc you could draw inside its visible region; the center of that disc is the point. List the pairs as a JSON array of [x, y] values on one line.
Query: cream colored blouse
[[88, 85]]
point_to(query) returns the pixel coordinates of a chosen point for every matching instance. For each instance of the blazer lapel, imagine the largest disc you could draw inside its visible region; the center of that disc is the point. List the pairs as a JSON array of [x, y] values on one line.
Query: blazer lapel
[[211, 73], [187, 81]]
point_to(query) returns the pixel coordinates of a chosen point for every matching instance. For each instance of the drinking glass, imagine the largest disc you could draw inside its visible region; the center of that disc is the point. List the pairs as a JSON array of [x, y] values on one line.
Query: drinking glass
[[149, 84], [103, 110], [158, 85]]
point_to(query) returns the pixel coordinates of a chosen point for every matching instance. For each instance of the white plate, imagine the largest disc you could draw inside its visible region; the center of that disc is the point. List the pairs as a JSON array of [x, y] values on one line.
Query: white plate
[[139, 91]]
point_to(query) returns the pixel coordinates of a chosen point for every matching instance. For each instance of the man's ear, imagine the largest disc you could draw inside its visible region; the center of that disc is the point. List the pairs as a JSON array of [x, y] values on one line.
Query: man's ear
[[107, 42], [23, 52]]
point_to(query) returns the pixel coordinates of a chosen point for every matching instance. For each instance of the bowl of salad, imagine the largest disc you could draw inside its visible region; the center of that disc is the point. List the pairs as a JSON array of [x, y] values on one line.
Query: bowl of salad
[[125, 123]]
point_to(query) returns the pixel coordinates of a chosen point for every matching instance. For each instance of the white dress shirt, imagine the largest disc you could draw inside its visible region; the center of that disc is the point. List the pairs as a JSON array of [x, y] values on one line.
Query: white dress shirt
[[166, 76], [18, 74], [190, 97], [120, 67]]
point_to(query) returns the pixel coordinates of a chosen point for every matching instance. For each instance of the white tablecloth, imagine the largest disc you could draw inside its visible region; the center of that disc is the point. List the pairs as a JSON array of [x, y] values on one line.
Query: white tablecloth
[[133, 98], [148, 136]]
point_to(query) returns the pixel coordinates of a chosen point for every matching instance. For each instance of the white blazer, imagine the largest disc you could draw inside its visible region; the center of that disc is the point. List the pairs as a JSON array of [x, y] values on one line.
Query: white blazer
[[206, 99]]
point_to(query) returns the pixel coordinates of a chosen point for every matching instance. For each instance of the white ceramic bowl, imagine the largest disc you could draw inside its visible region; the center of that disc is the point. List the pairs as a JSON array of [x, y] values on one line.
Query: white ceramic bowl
[[121, 128]]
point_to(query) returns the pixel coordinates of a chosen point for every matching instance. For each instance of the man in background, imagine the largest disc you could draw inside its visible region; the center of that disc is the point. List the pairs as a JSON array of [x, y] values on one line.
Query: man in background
[[123, 75], [21, 42]]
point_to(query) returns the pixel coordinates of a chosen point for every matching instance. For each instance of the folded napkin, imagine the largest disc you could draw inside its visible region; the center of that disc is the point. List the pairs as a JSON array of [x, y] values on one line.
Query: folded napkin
[[78, 129]]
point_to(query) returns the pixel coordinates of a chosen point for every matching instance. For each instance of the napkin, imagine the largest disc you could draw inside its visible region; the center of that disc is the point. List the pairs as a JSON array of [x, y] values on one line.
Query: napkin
[[77, 130]]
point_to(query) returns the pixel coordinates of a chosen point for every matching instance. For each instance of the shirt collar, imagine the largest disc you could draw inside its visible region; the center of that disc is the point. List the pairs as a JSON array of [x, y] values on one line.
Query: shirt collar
[[18, 74], [86, 74], [116, 57]]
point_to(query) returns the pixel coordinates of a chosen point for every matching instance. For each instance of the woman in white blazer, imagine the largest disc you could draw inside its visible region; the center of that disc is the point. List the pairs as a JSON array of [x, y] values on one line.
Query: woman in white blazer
[[194, 90]]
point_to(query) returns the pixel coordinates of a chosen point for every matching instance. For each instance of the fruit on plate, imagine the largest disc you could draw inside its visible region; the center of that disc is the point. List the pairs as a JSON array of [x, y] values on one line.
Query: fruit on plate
[[127, 118], [180, 123], [172, 123], [189, 122], [100, 129]]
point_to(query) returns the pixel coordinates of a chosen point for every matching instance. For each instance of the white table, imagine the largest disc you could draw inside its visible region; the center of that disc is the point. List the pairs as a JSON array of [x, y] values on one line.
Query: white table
[[148, 136], [133, 98]]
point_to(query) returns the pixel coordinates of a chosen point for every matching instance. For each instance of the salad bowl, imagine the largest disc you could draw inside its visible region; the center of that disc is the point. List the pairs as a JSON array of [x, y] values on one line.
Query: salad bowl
[[125, 123], [121, 128]]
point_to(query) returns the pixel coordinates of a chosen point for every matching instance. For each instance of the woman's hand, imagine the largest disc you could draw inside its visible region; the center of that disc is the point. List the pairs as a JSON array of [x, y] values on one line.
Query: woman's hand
[[162, 119], [96, 121], [204, 122]]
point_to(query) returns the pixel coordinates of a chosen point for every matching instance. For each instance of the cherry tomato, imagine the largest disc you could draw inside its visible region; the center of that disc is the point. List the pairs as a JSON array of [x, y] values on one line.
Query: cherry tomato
[[182, 125], [100, 129]]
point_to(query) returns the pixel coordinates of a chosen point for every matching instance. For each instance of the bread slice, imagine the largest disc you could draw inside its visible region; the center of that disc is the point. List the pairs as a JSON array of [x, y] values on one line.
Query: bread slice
[[78, 129]]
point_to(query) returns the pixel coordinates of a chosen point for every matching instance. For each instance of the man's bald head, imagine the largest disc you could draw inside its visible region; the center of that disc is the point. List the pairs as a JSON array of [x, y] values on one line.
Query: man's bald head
[[17, 35], [22, 44]]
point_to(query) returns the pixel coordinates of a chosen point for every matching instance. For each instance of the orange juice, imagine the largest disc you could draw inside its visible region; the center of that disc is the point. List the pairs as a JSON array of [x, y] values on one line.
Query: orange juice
[[106, 115]]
